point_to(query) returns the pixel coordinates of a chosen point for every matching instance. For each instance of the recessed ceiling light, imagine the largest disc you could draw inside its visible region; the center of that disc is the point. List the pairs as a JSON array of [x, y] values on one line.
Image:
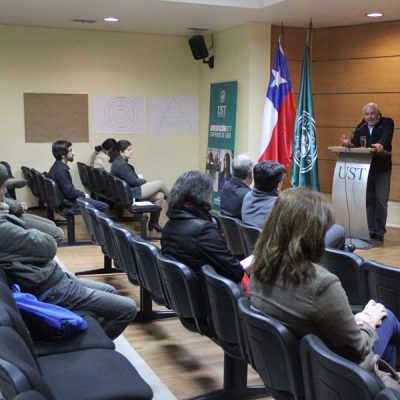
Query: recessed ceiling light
[[375, 15], [111, 19]]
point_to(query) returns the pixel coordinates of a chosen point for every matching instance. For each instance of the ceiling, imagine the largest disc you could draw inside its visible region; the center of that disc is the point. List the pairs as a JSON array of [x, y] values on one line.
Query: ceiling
[[176, 17]]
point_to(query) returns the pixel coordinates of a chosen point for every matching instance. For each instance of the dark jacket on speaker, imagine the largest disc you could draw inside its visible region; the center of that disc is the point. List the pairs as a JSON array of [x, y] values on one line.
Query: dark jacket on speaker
[[191, 238], [382, 133]]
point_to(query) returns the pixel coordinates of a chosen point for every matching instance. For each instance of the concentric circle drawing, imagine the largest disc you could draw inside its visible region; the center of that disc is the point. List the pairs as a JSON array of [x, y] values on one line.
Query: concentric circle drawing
[[121, 114]]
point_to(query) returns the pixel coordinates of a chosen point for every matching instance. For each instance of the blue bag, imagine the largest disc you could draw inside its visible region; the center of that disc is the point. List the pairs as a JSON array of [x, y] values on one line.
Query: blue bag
[[46, 320]]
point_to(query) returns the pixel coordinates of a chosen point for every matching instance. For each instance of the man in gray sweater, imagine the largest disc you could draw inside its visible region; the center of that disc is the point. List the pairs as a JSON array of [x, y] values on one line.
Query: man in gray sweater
[[27, 258]]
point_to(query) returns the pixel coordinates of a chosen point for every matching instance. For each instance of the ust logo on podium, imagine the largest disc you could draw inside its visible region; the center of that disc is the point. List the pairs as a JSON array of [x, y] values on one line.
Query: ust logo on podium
[[352, 173]]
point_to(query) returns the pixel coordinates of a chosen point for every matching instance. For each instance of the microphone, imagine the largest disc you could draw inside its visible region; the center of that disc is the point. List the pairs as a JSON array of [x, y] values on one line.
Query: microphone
[[349, 144]]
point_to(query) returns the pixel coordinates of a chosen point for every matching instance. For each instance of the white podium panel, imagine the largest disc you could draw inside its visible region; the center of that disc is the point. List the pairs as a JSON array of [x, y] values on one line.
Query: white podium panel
[[349, 190]]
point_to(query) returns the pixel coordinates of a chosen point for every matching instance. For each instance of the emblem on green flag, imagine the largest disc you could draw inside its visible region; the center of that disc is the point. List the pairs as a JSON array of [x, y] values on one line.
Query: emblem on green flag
[[305, 154]]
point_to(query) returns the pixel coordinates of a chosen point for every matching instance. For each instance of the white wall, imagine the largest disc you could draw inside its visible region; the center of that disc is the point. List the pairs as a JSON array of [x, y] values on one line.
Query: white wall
[[241, 54], [97, 63]]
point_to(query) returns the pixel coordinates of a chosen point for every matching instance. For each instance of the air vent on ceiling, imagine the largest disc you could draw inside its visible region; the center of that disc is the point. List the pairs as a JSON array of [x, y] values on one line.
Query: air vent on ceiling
[[84, 21]]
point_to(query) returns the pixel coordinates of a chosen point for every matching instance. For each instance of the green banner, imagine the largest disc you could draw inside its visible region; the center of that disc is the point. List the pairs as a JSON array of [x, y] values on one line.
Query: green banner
[[305, 154], [221, 135]]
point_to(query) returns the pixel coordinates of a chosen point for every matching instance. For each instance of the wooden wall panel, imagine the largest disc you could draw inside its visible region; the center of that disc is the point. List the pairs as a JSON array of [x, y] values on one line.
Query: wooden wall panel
[[360, 41], [325, 174], [294, 40], [351, 66], [345, 110], [394, 183], [354, 76]]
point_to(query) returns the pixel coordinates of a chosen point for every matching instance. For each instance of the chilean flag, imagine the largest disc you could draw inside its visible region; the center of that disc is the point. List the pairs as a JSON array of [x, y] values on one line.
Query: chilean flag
[[279, 114]]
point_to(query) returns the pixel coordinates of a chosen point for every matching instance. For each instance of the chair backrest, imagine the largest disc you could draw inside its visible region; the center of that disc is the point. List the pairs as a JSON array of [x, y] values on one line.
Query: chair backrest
[[101, 183], [346, 267], [274, 352], [124, 193], [83, 174], [93, 214], [54, 197], [18, 369], [330, 376], [146, 256], [106, 226], [380, 283], [11, 317], [184, 292], [127, 257], [223, 295], [27, 174], [233, 236], [83, 206], [250, 236], [388, 394], [39, 184], [92, 181]]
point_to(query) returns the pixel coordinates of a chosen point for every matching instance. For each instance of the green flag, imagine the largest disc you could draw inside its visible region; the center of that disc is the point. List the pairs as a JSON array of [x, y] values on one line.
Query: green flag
[[305, 155]]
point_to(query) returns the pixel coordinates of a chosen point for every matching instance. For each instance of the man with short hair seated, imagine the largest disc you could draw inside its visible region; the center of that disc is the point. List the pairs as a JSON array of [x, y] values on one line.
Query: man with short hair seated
[[237, 187], [27, 258], [59, 172], [257, 204]]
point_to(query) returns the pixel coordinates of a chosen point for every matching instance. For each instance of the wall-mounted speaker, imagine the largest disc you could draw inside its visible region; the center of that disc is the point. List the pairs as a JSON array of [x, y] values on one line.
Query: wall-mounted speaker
[[198, 47]]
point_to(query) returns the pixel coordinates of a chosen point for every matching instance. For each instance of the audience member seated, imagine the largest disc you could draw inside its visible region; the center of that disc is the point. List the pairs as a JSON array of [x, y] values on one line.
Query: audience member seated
[[101, 159], [190, 236], [17, 208], [154, 191], [225, 174], [27, 258], [59, 172], [289, 284], [257, 204], [237, 187], [12, 183]]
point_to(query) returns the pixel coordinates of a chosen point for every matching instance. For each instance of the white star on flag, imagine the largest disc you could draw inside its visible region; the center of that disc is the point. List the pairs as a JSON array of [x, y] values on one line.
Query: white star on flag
[[278, 79]]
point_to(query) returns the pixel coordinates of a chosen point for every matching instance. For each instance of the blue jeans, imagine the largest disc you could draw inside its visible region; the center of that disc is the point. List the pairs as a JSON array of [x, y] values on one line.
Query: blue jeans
[[99, 205], [84, 296], [389, 339]]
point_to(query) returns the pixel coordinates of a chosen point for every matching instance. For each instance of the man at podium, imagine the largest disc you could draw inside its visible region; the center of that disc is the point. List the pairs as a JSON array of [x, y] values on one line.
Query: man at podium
[[375, 131]]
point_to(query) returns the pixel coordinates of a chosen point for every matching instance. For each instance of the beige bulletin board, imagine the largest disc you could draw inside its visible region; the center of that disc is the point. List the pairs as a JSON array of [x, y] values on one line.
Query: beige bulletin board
[[51, 117]]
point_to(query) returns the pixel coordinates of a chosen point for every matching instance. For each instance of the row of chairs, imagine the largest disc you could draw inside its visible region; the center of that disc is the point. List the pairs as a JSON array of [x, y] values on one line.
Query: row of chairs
[[82, 366], [290, 368], [219, 311], [50, 197], [130, 254], [103, 185], [365, 279], [240, 238]]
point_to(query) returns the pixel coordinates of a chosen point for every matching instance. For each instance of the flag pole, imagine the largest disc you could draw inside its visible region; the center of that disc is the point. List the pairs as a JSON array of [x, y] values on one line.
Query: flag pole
[[281, 35]]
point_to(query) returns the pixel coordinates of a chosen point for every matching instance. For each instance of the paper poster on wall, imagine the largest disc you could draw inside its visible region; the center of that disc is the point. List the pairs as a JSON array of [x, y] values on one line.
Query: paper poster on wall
[[118, 115], [179, 114]]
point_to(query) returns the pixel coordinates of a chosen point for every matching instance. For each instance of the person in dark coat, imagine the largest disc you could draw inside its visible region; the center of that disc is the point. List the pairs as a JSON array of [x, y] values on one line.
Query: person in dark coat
[[237, 187], [377, 131], [190, 235], [59, 172], [154, 191]]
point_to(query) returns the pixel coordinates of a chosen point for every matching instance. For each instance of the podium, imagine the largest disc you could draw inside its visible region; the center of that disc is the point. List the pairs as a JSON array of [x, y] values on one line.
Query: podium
[[349, 189]]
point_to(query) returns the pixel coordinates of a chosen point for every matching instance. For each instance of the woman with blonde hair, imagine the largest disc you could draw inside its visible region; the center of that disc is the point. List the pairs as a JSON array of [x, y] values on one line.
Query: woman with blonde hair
[[289, 284]]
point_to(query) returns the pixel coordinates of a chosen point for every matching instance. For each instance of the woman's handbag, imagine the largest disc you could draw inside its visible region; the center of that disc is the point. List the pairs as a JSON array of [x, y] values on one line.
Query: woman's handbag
[[46, 320], [385, 372]]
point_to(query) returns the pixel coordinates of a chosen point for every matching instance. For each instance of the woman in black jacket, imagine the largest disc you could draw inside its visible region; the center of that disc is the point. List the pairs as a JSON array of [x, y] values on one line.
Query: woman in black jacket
[[190, 236], [154, 191]]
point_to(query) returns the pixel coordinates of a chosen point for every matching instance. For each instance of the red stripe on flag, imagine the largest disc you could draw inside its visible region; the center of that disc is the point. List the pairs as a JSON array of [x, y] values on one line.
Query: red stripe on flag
[[280, 146]]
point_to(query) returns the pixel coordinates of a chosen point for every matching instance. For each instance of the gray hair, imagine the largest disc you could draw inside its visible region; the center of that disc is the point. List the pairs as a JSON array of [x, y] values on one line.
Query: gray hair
[[242, 166], [191, 187]]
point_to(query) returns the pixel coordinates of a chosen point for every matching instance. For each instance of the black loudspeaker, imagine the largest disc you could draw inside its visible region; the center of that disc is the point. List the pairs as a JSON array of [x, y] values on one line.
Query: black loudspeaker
[[198, 47]]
